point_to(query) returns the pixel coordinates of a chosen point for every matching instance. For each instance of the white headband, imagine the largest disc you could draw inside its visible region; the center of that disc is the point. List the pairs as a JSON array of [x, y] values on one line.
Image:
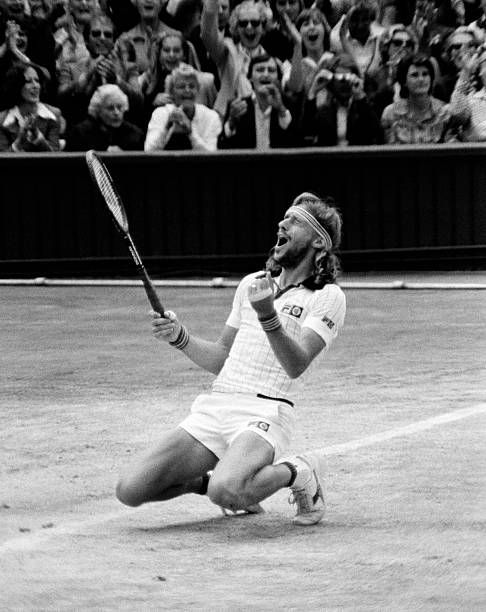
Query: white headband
[[309, 218]]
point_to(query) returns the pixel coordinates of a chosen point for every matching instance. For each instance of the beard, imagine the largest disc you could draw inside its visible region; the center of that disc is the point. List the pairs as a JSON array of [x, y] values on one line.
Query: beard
[[291, 258]]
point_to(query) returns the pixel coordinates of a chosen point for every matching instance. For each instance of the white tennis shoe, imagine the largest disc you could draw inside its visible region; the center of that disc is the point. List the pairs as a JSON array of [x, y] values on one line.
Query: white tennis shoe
[[307, 491]]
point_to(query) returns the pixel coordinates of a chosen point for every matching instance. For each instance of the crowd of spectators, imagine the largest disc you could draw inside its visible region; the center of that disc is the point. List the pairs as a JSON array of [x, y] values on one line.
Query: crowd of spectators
[[154, 75]]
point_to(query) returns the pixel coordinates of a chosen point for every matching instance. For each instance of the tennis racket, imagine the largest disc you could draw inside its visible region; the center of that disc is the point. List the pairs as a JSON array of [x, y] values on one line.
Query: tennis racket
[[104, 182]]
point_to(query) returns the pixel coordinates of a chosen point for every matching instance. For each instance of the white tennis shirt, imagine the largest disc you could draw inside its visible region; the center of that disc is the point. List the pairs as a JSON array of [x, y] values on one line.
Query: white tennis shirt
[[251, 366]]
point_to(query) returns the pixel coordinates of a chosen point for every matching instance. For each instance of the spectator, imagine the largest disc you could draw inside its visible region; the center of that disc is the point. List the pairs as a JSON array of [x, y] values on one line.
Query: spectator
[[358, 34], [183, 124], [418, 117], [383, 89], [232, 55], [459, 44], [478, 26], [468, 100], [28, 124], [260, 121], [38, 40], [278, 41], [169, 51], [337, 112], [78, 80], [314, 34], [69, 35], [141, 38], [105, 128]]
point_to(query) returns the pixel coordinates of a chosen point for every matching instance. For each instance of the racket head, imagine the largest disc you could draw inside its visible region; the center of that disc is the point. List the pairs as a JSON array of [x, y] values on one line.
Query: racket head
[[101, 176]]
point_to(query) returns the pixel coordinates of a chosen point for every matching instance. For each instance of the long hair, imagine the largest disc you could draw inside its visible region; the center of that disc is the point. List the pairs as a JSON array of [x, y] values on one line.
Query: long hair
[[327, 265]]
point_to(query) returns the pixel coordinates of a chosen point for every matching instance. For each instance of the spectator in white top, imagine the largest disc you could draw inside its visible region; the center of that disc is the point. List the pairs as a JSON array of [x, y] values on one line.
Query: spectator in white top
[[183, 124]]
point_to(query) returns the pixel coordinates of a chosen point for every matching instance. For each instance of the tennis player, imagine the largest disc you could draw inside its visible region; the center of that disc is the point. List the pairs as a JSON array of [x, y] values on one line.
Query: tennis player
[[232, 444]]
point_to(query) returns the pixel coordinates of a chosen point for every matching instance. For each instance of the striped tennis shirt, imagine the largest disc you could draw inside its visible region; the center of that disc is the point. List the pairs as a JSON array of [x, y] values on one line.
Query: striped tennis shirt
[[252, 366]]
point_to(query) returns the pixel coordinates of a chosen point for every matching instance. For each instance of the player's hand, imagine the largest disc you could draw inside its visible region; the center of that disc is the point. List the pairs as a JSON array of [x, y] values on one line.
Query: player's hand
[[260, 294], [165, 328]]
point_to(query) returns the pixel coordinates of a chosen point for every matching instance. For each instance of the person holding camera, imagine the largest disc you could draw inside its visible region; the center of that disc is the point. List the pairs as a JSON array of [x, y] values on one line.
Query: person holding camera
[[262, 120], [337, 111]]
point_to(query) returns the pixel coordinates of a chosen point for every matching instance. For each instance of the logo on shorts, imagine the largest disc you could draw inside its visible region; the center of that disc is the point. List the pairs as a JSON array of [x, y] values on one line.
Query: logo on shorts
[[328, 322], [292, 310], [260, 424]]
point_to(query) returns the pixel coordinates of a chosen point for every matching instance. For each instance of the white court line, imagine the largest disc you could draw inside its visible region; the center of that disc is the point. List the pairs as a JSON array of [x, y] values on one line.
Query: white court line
[[31, 541]]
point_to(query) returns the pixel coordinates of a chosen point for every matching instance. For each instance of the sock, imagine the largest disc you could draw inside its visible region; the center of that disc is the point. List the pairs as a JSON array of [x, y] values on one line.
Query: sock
[[293, 472], [301, 475], [204, 484]]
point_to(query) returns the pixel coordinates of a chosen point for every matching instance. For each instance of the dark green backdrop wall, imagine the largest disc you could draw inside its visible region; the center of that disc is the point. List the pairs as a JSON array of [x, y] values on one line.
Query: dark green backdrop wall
[[403, 208]]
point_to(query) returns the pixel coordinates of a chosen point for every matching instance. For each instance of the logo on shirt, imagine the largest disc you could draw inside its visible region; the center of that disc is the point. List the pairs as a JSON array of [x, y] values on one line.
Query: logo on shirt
[[260, 424], [328, 322], [292, 310]]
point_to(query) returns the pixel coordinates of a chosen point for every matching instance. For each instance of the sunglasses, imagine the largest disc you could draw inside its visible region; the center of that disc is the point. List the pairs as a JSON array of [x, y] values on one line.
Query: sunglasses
[[408, 44], [243, 23], [98, 33], [458, 46]]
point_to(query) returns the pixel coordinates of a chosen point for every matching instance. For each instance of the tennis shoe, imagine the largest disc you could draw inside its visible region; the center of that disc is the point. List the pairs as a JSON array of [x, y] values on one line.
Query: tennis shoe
[[252, 509], [307, 491]]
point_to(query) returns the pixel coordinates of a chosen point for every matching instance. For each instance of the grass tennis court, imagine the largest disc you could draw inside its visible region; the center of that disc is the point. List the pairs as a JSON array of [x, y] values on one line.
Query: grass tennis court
[[84, 387]]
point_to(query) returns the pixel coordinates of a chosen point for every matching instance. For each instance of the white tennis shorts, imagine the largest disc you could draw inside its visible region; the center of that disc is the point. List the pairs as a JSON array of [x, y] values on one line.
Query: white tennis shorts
[[216, 419]]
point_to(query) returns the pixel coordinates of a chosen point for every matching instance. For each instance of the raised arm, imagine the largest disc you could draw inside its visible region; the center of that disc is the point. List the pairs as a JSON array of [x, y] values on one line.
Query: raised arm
[[212, 38], [206, 354], [294, 356]]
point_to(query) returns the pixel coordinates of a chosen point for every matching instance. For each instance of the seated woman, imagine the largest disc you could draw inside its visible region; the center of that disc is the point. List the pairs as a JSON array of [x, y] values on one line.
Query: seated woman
[[262, 120], [168, 52], [184, 123], [105, 128], [337, 111], [28, 125], [417, 117]]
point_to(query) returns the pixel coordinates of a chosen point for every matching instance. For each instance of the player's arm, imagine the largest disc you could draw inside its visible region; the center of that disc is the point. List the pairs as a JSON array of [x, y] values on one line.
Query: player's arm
[[294, 356], [207, 354]]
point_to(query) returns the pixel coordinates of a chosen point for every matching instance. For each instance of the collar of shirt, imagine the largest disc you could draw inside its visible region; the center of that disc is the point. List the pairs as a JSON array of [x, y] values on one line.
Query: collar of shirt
[[480, 95], [14, 115]]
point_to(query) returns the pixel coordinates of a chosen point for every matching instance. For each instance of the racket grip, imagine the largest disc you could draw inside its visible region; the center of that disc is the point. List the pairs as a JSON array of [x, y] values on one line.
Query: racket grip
[[152, 296]]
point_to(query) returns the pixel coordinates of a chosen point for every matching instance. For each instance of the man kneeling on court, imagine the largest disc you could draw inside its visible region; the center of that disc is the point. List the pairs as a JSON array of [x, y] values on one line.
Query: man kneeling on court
[[231, 445]]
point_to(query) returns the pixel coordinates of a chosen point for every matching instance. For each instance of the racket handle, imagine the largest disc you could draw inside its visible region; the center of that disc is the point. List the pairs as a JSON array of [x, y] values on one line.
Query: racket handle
[[152, 295]]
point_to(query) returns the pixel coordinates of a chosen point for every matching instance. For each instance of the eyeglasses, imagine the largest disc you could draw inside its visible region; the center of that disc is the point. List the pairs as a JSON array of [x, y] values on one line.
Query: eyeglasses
[[458, 46], [243, 23], [408, 44], [98, 33]]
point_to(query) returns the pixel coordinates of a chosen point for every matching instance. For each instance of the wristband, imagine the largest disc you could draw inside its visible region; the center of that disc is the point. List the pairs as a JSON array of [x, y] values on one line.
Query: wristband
[[182, 339], [271, 323]]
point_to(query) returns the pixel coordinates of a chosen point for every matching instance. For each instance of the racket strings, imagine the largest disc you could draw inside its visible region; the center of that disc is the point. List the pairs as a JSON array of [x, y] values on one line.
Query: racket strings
[[111, 198]]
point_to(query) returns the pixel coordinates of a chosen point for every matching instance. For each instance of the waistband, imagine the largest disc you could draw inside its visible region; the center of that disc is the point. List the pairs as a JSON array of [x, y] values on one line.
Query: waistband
[[276, 399]]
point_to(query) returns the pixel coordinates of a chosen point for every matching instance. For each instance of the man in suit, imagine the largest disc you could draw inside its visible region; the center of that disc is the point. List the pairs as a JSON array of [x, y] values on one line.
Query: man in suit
[[262, 120]]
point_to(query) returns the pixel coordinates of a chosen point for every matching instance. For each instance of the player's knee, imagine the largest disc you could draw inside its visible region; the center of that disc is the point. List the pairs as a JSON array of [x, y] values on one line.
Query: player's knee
[[227, 494], [128, 495]]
